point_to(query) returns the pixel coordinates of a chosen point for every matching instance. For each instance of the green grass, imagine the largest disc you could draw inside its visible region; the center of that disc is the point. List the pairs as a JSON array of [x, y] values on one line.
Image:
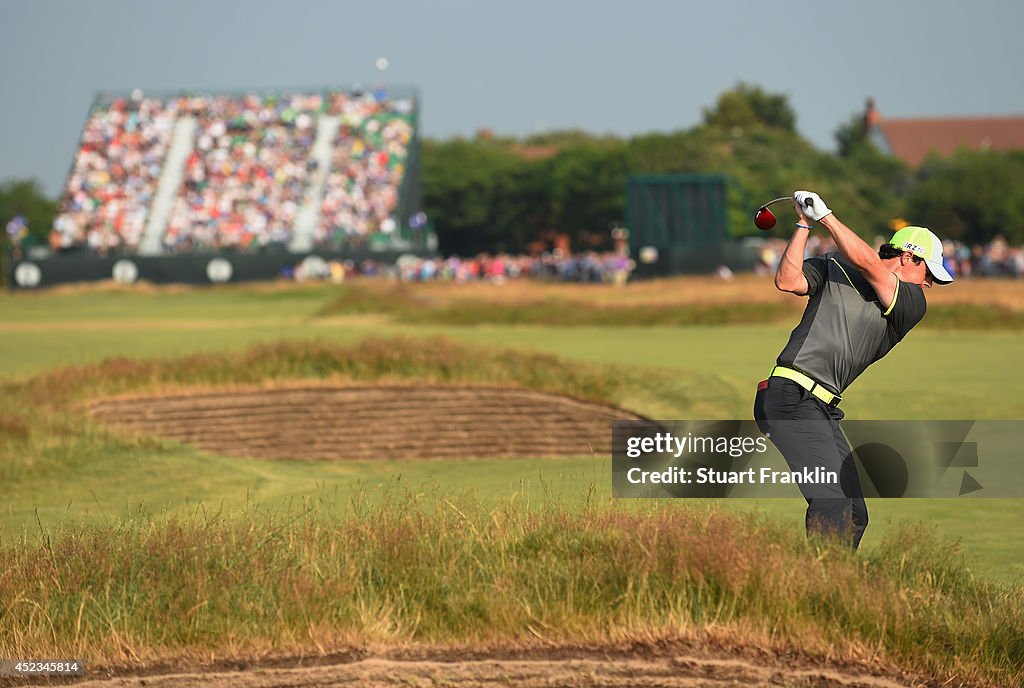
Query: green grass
[[60, 467], [695, 372], [67, 480], [90, 495], [125, 306]]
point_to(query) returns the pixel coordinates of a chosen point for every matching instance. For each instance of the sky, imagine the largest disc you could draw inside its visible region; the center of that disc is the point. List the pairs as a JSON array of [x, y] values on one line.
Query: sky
[[516, 67]]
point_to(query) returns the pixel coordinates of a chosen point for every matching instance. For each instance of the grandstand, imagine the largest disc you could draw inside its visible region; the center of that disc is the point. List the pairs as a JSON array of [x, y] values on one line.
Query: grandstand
[[283, 172]]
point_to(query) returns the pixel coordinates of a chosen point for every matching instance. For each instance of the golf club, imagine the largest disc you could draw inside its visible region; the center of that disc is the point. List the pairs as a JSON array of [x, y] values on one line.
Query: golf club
[[764, 219]]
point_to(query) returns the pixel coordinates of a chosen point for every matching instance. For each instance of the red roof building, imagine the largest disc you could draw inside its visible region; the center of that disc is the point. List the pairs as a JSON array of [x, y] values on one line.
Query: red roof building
[[912, 139]]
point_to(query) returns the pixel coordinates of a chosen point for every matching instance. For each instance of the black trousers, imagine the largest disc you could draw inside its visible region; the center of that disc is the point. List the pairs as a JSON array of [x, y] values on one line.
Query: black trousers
[[806, 432]]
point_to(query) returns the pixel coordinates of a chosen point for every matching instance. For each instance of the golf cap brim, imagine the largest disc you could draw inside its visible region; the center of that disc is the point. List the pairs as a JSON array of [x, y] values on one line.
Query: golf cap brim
[[939, 272], [923, 243]]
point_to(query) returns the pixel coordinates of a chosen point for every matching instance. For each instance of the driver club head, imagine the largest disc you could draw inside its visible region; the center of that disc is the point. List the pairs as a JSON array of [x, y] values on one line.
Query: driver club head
[[764, 219]]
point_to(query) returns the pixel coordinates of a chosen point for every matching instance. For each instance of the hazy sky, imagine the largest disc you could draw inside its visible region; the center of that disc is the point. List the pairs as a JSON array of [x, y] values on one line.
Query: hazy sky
[[516, 67]]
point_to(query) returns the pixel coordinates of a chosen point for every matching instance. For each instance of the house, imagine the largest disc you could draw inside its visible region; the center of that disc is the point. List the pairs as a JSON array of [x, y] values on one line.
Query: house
[[912, 139]]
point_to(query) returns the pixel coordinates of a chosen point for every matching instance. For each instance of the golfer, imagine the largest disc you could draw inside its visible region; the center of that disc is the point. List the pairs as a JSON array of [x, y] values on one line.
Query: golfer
[[861, 304]]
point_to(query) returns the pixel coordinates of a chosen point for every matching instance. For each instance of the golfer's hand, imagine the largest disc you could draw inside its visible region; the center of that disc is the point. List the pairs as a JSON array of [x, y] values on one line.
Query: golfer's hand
[[800, 217], [811, 205]]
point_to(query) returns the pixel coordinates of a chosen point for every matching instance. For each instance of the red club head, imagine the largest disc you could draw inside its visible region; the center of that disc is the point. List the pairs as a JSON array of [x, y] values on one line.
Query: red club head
[[764, 219]]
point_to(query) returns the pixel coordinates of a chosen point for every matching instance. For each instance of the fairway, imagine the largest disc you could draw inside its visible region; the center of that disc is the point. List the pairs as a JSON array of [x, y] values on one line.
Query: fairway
[[367, 466], [673, 372]]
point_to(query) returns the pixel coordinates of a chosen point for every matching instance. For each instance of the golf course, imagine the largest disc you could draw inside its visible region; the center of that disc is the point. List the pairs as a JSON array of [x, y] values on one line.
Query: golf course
[[270, 474]]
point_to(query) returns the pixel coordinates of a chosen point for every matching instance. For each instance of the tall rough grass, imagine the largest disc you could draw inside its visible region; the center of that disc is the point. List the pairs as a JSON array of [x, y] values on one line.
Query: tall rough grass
[[42, 429], [405, 304], [407, 569], [434, 359]]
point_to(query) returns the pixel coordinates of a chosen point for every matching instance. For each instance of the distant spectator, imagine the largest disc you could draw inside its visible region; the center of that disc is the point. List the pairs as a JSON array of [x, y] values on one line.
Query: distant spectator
[[248, 173], [370, 153], [17, 230], [107, 198]]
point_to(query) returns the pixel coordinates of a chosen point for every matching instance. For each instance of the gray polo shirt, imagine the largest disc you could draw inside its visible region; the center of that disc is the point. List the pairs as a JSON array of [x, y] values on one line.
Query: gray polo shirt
[[844, 328]]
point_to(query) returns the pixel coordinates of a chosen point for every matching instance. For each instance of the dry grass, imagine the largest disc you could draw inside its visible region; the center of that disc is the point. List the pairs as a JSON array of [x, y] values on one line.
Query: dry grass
[[690, 301], [426, 360], [13, 427], [398, 569], [744, 288], [445, 569], [999, 293], [656, 292]]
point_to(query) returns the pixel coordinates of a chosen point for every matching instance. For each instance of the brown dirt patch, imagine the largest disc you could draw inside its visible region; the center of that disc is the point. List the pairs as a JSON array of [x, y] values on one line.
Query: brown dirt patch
[[365, 423], [610, 669]]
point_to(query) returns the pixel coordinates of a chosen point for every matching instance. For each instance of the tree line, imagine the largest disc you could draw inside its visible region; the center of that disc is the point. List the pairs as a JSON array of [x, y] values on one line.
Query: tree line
[[493, 193], [490, 192]]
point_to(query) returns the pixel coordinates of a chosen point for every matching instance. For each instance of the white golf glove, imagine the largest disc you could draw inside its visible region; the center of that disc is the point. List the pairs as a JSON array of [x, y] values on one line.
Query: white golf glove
[[811, 204]]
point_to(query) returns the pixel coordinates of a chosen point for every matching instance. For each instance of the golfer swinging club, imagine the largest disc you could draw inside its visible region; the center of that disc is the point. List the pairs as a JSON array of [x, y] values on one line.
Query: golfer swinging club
[[861, 304]]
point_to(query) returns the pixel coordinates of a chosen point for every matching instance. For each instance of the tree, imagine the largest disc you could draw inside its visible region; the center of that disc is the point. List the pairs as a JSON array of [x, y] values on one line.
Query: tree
[[973, 196], [851, 136], [484, 195], [677, 153], [586, 189], [747, 105], [488, 194], [25, 198]]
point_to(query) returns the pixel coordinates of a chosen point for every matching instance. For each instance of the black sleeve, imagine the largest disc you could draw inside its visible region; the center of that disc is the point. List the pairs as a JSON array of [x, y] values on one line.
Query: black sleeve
[[907, 310], [816, 272]]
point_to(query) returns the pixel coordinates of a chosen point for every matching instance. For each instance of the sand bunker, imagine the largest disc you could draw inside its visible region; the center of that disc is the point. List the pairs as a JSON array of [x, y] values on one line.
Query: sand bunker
[[369, 423]]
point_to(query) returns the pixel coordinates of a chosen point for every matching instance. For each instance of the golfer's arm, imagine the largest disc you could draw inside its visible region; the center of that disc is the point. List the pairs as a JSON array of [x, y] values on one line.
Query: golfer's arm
[[862, 257], [790, 274]]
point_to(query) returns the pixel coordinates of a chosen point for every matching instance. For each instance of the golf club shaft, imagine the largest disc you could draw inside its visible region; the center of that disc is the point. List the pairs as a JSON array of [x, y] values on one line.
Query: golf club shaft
[[780, 199]]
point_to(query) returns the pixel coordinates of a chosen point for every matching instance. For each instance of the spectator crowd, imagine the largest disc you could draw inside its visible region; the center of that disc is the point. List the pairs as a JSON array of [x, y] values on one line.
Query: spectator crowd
[[368, 161], [589, 267], [249, 171], [994, 259], [114, 176]]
